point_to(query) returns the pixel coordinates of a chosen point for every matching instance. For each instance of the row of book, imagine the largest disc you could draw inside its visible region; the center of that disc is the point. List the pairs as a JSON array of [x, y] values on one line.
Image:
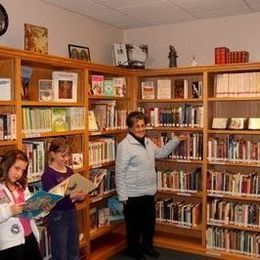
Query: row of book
[[181, 116], [8, 129], [232, 149], [168, 89], [232, 213], [189, 149], [223, 55], [179, 181], [230, 183], [237, 84], [44, 119], [115, 87], [101, 150], [108, 116], [36, 151], [235, 241], [180, 213], [104, 179], [104, 216]]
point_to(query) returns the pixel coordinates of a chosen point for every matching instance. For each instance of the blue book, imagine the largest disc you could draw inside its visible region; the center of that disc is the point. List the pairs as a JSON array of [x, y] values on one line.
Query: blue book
[[34, 205]]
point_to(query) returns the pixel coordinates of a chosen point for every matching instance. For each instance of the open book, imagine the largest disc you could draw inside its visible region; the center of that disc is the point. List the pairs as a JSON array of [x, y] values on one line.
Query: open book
[[34, 205]]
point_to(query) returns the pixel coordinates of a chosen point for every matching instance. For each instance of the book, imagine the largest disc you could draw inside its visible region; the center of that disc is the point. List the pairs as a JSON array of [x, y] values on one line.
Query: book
[[45, 90], [115, 209], [148, 90], [109, 87], [26, 74], [196, 89], [119, 87], [34, 205], [237, 123], [179, 88], [92, 122], [5, 89], [97, 85], [65, 86], [254, 123], [119, 54], [59, 123], [164, 89], [77, 160], [219, 123], [103, 217]]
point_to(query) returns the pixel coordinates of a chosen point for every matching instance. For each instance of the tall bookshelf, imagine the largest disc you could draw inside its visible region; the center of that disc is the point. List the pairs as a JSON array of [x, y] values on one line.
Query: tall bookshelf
[[217, 233], [110, 107]]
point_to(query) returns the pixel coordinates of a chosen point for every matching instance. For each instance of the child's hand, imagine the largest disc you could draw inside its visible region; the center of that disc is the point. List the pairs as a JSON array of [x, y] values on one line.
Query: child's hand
[[17, 208], [78, 195], [182, 137]]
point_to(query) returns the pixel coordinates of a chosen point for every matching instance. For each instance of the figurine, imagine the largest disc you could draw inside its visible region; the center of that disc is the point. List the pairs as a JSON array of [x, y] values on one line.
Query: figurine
[[193, 61], [172, 56]]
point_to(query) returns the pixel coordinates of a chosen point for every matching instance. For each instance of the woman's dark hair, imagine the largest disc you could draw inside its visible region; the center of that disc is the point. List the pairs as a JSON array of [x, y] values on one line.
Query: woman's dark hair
[[133, 117], [59, 145], [8, 161]]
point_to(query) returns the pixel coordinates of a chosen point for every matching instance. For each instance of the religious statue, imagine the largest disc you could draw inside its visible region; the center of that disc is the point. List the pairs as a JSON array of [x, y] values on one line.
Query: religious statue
[[172, 56]]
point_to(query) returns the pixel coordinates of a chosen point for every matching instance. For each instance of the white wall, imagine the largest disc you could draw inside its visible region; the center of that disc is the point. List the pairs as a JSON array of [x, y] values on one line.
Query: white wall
[[199, 38], [64, 27]]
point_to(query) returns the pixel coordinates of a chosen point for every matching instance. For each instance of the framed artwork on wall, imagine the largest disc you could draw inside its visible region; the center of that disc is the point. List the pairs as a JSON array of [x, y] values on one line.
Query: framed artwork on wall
[[79, 52]]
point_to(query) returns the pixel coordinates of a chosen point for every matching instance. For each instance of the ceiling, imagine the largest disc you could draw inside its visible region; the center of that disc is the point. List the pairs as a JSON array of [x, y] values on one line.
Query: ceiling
[[129, 14]]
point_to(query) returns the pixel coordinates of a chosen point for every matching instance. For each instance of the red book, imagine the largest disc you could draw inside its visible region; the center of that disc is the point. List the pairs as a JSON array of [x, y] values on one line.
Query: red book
[[221, 55]]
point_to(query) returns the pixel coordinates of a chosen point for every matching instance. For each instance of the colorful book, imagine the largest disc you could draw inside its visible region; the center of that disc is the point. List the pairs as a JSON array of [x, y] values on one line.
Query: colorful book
[[148, 90], [97, 85], [59, 123], [109, 87]]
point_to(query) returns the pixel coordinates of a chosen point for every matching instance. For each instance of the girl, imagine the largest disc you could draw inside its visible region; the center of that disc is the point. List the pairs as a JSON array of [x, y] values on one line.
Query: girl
[[62, 221], [18, 236]]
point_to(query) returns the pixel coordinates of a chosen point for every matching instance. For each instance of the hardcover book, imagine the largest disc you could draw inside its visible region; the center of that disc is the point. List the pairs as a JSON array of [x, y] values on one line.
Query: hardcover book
[[77, 160], [254, 123], [219, 123], [237, 123], [164, 89], [109, 87], [119, 87], [65, 86], [179, 88], [59, 122], [148, 90], [97, 85], [5, 89], [45, 90], [92, 122]]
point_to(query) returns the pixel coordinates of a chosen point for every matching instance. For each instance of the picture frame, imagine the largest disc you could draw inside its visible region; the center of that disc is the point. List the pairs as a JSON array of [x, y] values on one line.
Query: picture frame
[[237, 123], [78, 52], [4, 20]]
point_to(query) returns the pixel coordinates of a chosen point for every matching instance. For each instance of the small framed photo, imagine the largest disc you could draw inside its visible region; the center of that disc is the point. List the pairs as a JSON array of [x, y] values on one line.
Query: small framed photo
[[45, 90], [219, 123], [79, 52]]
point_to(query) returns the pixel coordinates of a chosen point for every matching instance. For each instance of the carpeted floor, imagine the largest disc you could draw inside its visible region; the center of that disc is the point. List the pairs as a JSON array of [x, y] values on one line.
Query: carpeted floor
[[165, 254]]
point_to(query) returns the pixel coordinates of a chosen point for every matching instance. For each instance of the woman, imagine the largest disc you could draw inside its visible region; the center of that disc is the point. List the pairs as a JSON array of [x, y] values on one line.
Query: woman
[[136, 184]]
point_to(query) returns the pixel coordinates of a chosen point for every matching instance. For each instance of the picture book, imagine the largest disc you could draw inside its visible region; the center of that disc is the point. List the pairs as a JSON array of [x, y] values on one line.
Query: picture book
[[77, 160], [115, 209], [109, 87], [59, 122], [34, 205], [92, 122], [148, 90], [45, 90], [97, 85], [120, 87]]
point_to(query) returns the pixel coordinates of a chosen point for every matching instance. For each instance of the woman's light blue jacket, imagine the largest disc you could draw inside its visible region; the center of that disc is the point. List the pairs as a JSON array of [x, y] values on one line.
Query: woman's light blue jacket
[[135, 166]]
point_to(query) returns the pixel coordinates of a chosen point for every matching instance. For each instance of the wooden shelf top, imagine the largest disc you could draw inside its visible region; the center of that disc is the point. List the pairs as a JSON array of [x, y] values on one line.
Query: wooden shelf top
[[235, 132], [180, 193], [172, 100], [52, 134]]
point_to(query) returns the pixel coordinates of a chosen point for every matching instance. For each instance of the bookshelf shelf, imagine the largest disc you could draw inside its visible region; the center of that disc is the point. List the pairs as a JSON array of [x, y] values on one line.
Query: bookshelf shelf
[[50, 104], [8, 143], [181, 161], [238, 164], [239, 227], [109, 132], [98, 198], [104, 230], [233, 99], [50, 134], [235, 132], [181, 226], [7, 103], [188, 100], [241, 197], [180, 193]]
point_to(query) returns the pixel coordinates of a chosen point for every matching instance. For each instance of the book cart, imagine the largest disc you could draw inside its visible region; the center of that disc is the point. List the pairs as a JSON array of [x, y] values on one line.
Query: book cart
[[208, 190]]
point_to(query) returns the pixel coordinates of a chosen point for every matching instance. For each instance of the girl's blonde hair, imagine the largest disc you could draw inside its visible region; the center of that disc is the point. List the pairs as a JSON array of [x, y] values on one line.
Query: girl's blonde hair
[[58, 145]]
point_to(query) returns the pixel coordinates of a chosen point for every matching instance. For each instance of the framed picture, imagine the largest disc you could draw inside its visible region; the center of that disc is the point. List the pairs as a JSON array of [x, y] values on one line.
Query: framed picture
[[79, 52], [35, 38]]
